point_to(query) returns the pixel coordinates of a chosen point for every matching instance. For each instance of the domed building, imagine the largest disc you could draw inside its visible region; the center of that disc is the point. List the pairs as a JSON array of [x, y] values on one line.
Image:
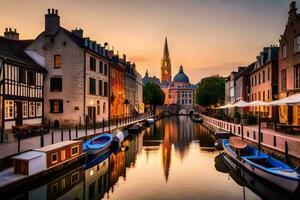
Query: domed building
[[179, 91]]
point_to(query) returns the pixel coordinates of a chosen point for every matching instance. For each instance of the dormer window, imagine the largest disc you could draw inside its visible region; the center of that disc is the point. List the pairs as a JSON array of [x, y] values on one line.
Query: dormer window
[[297, 44], [283, 51]]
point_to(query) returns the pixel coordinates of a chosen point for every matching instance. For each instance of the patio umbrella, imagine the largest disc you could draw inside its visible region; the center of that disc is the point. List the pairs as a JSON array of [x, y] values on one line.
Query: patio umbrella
[[254, 104], [240, 103], [290, 100], [225, 106]]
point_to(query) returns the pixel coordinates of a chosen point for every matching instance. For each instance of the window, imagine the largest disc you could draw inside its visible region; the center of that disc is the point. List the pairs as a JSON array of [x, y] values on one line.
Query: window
[[259, 96], [297, 44], [63, 155], [92, 64], [104, 107], [263, 76], [283, 51], [56, 84], [98, 107], [92, 86], [56, 106], [105, 69], [101, 67], [75, 177], [57, 61], [9, 109], [74, 150], [258, 78], [38, 109], [283, 79], [31, 109], [268, 94], [105, 89], [268, 73], [100, 88], [255, 80], [31, 78], [54, 158], [297, 76], [264, 98], [22, 75], [252, 82], [25, 108]]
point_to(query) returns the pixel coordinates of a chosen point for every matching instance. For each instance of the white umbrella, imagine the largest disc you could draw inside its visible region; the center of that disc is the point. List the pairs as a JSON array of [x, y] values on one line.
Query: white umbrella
[[256, 103], [290, 100], [226, 106], [240, 103]]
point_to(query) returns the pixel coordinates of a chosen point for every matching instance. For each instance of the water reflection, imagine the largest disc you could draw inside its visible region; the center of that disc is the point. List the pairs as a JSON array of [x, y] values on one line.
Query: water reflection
[[166, 161]]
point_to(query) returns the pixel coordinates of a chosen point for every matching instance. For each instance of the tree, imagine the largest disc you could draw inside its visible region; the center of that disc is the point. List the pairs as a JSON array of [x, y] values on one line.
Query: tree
[[153, 95], [210, 91]]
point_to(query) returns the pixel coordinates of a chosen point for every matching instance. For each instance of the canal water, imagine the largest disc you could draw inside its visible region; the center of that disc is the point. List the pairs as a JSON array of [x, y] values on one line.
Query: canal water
[[172, 159]]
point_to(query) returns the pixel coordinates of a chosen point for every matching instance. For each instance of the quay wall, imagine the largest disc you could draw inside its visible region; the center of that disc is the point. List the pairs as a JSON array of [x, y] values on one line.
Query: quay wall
[[271, 142]]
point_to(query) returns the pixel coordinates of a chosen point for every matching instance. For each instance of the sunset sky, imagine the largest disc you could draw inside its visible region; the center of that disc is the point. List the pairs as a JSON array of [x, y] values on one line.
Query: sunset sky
[[206, 37]]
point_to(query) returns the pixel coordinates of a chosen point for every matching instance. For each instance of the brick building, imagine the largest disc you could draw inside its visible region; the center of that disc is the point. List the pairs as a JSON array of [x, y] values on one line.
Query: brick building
[[264, 80], [289, 66]]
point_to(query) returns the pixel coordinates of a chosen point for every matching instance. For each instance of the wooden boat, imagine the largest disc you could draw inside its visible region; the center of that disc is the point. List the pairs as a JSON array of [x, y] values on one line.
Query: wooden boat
[[151, 120], [98, 144], [261, 164], [136, 128]]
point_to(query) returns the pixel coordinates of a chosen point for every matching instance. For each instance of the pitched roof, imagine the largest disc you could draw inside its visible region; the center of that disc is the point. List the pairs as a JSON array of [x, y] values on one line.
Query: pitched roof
[[14, 51]]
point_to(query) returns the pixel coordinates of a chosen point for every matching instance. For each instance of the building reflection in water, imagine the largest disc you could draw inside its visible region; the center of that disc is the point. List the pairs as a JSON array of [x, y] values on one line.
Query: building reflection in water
[[99, 180]]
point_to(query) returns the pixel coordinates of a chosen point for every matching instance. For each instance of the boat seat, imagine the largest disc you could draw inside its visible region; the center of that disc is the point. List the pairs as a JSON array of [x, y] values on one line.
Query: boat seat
[[274, 168], [256, 157]]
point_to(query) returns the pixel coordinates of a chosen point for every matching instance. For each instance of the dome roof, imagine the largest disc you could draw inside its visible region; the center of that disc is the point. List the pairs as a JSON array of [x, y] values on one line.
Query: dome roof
[[181, 76]]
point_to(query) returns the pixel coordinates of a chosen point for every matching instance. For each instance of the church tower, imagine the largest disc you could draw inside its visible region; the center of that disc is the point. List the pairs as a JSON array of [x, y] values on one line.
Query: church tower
[[166, 76]]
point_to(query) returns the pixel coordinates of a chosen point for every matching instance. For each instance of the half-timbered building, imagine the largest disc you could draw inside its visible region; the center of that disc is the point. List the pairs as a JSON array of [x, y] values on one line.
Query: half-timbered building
[[21, 83]]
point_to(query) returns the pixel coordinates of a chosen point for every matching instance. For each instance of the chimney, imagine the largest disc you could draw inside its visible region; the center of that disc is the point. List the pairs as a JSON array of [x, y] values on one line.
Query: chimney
[[52, 22], [293, 6], [78, 32], [11, 34], [124, 58]]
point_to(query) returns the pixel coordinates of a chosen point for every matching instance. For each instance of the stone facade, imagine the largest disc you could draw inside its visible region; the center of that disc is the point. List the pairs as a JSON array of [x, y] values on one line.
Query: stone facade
[[289, 66], [74, 70]]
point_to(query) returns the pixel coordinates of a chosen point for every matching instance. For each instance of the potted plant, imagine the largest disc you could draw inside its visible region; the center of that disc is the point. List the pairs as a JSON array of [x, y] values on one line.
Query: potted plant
[[237, 117], [245, 119]]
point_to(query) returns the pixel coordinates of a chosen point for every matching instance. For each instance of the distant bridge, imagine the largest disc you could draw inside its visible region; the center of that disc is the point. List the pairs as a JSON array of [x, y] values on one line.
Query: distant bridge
[[173, 109]]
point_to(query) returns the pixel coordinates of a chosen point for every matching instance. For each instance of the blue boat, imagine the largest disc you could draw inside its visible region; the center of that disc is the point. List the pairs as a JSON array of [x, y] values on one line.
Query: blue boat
[[261, 164], [98, 145]]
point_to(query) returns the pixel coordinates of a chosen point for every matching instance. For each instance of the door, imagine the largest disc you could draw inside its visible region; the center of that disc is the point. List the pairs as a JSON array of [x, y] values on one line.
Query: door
[[92, 114], [290, 114], [19, 114]]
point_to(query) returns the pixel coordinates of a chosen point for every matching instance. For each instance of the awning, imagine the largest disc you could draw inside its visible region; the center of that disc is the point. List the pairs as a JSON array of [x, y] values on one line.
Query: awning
[[290, 100]]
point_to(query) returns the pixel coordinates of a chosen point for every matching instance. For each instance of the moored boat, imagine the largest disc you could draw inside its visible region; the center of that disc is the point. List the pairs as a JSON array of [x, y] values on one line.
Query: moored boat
[[98, 144], [261, 164], [151, 120]]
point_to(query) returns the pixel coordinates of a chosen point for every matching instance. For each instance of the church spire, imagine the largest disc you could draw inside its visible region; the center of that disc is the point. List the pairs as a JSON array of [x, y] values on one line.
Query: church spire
[[166, 49], [166, 76]]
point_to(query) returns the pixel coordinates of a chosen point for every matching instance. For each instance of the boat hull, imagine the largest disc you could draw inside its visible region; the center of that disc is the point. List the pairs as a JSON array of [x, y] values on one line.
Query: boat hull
[[98, 152], [287, 184]]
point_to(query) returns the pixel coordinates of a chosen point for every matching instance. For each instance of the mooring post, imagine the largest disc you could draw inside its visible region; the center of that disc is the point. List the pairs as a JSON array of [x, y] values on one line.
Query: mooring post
[[62, 134], [286, 152], [103, 124], [19, 143], [52, 137], [76, 131], [274, 141], [117, 122], [70, 136], [42, 139], [242, 127]]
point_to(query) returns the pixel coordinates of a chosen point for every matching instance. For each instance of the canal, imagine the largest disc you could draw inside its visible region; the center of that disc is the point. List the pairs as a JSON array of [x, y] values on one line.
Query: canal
[[172, 159]]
